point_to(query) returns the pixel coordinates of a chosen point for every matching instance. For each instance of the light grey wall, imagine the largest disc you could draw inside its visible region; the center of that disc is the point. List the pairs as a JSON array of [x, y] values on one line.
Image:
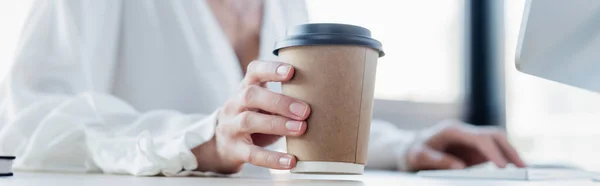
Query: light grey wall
[[415, 115]]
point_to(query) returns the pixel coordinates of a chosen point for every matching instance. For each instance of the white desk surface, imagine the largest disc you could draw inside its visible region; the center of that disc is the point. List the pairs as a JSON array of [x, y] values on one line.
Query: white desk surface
[[370, 178]]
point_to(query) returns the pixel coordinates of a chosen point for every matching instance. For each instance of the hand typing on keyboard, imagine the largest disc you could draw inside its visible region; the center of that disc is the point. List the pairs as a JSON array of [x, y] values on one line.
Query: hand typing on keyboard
[[456, 145]]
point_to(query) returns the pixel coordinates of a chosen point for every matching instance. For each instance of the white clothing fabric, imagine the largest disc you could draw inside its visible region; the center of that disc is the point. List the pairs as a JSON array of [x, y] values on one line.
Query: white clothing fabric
[[130, 87]]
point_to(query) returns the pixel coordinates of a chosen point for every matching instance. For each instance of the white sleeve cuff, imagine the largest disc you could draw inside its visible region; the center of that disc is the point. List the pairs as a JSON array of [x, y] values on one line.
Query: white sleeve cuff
[[184, 162], [166, 151], [388, 145]]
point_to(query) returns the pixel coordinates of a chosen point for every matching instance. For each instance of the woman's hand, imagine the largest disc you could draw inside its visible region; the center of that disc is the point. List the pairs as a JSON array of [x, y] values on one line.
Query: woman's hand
[[253, 119], [455, 145]]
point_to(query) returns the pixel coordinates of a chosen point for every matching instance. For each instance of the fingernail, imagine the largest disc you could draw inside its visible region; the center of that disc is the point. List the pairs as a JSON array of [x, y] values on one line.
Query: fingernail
[[283, 70], [293, 125], [285, 161], [456, 166], [298, 109]]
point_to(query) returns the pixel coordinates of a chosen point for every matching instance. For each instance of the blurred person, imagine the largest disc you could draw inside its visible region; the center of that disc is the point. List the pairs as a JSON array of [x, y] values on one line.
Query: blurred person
[[179, 87]]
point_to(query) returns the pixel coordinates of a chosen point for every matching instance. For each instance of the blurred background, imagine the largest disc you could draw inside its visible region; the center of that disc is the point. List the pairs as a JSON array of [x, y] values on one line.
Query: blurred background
[[445, 59]]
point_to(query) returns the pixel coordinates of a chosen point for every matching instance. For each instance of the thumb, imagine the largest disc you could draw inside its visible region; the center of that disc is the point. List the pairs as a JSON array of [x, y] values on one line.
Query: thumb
[[425, 158]]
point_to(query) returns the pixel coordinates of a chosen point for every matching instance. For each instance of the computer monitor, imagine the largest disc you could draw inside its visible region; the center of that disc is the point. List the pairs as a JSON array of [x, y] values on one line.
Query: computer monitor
[[559, 40]]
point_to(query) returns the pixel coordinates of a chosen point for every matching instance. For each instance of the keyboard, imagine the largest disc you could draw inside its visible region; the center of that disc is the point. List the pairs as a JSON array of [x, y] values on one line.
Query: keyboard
[[511, 172]]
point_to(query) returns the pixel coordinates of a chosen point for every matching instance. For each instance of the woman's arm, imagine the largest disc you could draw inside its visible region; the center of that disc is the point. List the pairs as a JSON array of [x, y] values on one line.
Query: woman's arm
[[57, 112], [92, 132], [53, 120], [388, 145], [451, 144]]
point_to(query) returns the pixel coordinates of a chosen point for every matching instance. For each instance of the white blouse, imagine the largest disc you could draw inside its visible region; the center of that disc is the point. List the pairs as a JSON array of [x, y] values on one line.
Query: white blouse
[[131, 87]]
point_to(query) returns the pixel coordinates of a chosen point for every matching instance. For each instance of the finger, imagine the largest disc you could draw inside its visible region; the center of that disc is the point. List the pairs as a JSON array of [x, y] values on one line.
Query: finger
[[267, 71], [257, 97], [481, 142], [423, 158], [509, 151], [491, 150], [254, 122], [269, 159], [488, 147]]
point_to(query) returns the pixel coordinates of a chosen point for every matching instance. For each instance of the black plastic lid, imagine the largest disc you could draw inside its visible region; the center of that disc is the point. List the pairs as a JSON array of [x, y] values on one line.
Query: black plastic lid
[[328, 34], [7, 157], [6, 174]]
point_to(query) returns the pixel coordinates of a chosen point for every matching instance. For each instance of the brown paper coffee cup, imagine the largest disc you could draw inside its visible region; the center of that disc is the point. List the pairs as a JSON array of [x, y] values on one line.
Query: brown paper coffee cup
[[335, 74]]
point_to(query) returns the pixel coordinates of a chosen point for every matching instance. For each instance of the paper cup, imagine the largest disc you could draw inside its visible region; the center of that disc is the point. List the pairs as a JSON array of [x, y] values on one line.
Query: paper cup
[[335, 67]]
